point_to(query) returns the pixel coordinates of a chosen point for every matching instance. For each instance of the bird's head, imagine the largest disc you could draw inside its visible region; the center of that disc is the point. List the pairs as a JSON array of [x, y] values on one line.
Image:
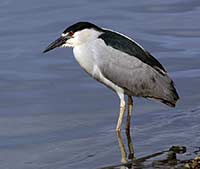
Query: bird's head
[[76, 34]]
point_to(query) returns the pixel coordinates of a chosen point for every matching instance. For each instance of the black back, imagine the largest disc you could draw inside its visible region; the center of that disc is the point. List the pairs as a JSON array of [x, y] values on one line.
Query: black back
[[82, 25], [128, 46]]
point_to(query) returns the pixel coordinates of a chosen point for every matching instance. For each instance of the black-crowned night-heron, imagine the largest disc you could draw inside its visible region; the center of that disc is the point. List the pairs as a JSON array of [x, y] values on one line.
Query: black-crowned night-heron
[[120, 63]]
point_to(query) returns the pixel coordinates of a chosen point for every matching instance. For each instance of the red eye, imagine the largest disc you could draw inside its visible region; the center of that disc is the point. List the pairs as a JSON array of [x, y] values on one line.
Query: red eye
[[71, 33]]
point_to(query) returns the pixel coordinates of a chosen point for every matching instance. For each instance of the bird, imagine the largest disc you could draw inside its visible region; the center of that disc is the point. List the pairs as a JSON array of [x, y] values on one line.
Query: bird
[[120, 63]]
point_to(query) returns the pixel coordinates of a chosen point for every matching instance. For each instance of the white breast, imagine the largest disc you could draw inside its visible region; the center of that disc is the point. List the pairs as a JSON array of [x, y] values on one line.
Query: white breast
[[89, 58], [84, 56]]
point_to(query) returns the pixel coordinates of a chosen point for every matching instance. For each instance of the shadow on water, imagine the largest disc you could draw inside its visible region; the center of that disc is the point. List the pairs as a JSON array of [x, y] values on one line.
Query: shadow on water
[[163, 159]]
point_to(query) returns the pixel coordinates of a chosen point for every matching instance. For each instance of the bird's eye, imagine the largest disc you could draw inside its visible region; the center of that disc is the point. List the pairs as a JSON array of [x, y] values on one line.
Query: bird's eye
[[71, 33]]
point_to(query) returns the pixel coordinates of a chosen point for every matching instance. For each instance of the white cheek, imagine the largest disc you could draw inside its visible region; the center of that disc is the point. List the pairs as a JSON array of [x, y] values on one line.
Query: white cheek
[[69, 43], [73, 41]]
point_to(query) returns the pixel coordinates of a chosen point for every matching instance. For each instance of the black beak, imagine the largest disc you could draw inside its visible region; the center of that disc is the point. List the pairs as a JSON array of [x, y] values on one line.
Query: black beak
[[57, 43]]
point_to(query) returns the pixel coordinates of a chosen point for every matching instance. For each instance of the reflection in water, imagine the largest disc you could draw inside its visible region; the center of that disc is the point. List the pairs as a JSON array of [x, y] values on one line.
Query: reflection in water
[[163, 159], [122, 147], [131, 155]]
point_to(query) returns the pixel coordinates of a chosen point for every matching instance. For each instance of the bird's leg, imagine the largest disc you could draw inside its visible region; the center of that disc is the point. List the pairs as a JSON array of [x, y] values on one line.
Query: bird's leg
[[130, 107], [122, 111]]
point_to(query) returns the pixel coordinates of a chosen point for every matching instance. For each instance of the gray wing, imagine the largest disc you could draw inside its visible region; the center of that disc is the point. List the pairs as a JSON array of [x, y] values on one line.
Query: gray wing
[[133, 75], [130, 47]]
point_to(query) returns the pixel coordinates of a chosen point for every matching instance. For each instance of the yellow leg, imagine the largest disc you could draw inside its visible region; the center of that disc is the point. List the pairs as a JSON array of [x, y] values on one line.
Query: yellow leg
[[130, 107], [121, 114]]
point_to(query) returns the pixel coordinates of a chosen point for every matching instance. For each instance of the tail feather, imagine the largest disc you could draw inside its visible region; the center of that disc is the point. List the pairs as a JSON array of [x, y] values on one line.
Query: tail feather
[[165, 91], [168, 103], [171, 97]]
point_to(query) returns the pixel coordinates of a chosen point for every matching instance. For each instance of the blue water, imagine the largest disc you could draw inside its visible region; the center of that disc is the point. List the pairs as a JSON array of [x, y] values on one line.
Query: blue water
[[53, 115]]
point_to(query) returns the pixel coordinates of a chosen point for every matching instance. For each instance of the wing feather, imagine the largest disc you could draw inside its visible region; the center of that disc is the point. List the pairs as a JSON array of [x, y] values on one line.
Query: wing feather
[[133, 75], [126, 45]]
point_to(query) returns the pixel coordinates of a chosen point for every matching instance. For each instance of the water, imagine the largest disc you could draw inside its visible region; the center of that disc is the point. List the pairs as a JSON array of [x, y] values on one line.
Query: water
[[53, 115]]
